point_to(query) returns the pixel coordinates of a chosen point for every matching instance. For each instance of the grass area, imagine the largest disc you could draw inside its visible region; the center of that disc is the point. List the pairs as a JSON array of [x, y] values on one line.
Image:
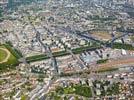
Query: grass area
[[14, 51], [122, 46], [3, 54], [42, 56], [102, 61], [23, 97], [107, 70], [1, 82], [61, 53], [81, 49], [36, 58], [114, 89], [12, 61], [81, 90]]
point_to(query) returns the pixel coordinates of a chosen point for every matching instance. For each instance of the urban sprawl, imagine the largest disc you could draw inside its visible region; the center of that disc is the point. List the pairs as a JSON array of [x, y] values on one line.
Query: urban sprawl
[[66, 49]]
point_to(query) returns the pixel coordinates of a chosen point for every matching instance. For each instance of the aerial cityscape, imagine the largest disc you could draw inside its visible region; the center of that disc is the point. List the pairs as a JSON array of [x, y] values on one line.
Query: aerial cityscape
[[66, 49]]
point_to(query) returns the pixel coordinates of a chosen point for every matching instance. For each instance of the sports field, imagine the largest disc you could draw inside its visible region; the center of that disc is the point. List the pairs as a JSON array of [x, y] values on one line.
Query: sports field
[[4, 55], [7, 59]]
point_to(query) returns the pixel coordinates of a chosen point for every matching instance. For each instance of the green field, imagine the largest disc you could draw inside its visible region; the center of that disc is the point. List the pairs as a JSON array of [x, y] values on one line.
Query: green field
[[3, 54], [11, 62], [102, 61], [81, 90], [122, 46]]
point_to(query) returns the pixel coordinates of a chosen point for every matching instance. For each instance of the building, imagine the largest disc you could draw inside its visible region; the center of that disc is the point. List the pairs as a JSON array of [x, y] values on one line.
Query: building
[[3, 2]]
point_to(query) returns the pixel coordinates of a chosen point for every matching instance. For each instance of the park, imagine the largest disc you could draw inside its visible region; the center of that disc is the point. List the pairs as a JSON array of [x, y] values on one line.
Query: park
[[7, 59]]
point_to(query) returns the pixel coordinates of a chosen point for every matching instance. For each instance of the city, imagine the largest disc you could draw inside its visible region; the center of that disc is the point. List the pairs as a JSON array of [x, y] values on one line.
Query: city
[[66, 49]]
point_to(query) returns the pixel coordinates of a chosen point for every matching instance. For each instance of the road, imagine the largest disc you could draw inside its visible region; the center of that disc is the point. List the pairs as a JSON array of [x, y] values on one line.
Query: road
[[48, 50], [45, 88], [81, 64], [45, 46], [118, 37], [80, 34], [84, 35]]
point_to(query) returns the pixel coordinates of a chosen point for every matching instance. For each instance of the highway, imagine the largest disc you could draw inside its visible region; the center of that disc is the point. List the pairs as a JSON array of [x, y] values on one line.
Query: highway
[[84, 35], [115, 38], [48, 50], [45, 46], [45, 88], [80, 34]]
